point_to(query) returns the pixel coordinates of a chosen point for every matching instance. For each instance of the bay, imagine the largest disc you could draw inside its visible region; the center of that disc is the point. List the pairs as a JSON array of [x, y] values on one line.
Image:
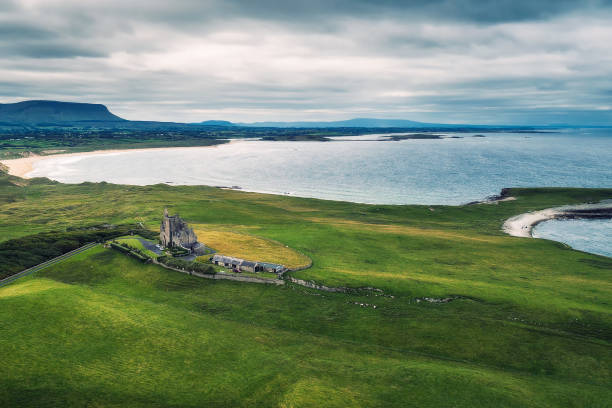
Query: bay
[[362, 169], [593, 236]]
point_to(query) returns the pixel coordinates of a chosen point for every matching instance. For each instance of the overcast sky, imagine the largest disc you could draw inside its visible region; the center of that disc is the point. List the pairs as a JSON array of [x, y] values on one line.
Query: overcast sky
[[462, 61]]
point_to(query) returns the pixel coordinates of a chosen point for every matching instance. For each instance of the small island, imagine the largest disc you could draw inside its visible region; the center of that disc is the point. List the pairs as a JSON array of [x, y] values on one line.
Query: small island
[[296, 138], [413, 136]]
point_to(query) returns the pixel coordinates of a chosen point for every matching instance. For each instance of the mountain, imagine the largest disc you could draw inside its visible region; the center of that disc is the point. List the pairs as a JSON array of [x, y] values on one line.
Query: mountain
[[357, 122], [32, 112], [216, 123]]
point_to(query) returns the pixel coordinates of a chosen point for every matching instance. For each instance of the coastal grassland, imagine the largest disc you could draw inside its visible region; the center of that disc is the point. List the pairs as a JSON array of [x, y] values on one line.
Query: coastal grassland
[[532, 326], [250, 247], [134, 242], [104, 328], [21, 253]]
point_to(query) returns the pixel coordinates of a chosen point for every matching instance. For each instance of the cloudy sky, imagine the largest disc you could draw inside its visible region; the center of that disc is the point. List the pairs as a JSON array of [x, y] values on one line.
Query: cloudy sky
[[462, 61]]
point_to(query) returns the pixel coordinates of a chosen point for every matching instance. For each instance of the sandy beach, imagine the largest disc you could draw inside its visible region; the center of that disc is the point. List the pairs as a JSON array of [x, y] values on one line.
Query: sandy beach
[[522, 225], [22, 166]]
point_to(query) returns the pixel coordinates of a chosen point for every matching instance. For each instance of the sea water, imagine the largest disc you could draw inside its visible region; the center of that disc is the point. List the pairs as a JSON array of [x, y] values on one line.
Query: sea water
[[363, 169], [586, 235]]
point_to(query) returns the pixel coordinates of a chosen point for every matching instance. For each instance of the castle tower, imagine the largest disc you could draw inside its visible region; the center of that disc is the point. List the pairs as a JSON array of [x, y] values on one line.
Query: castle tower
[[174, 232]]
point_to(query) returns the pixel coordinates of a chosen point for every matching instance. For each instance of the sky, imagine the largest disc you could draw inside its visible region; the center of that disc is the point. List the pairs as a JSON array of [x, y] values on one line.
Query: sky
[[463, 61]]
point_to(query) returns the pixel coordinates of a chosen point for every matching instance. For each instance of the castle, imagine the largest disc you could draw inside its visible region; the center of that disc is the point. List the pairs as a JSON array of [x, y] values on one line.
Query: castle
[[175, 232]]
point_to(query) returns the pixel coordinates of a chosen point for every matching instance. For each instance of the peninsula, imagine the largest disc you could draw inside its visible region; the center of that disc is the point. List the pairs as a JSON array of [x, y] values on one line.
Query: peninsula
[[522, 225]]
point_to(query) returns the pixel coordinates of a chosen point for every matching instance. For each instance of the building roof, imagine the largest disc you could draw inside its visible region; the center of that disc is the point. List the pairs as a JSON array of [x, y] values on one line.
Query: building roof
[[227, 259], [248, 264]]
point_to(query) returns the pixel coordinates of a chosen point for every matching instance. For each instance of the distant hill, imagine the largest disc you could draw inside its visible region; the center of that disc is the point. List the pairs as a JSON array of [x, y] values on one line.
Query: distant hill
[[366, 123], [32, 112], [216, 123], [357, 122], [349, 123], [54, 114]]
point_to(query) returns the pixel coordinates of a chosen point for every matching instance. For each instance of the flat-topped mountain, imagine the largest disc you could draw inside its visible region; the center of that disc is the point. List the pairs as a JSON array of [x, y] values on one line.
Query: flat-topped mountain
[[55, 112]]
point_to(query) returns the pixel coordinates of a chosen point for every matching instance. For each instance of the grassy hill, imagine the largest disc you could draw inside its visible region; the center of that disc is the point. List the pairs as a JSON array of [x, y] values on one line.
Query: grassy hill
[[531, 325]]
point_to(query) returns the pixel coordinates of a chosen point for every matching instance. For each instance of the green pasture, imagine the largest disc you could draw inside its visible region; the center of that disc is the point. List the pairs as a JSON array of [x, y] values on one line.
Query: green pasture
[[532, 325], [133, 241]]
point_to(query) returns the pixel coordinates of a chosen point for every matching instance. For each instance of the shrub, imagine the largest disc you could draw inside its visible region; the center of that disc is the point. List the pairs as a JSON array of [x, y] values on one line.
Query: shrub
[[22, 253]]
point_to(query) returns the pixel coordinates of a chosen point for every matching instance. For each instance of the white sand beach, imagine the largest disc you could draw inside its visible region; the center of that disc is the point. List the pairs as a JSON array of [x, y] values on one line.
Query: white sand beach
[[522, 225], [22, 166]]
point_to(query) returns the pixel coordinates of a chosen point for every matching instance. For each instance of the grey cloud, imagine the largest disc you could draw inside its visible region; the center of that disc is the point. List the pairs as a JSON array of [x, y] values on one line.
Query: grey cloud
[[7, 5], [315, 14], [241, 60], [487, 11], [47, 49], [20, 31]]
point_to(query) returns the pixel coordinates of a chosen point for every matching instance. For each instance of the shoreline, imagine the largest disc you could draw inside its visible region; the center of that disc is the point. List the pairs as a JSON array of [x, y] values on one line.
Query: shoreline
[[23, 166], [522, 225], [504, 195]]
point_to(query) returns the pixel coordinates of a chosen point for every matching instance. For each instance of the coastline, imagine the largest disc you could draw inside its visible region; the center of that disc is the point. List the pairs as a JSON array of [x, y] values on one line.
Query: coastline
[[504, 195], [522, 225], [23, 166]]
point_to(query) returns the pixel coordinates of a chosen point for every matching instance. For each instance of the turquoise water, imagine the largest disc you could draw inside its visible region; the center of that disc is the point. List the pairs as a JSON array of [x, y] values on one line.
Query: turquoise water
[[586, 235], [447, 171]]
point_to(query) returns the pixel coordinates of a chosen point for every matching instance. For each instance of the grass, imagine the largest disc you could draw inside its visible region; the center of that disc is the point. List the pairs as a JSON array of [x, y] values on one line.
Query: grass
[[133, 241], [265, 275], [534, 326], [250, 247], [147, 336], [22, 253]]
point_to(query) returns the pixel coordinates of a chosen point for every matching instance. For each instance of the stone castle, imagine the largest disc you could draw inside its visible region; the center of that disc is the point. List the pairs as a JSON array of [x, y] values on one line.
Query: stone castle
[[175, 232]]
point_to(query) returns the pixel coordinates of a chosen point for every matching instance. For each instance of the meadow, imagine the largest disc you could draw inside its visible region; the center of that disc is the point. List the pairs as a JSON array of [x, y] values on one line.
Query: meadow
[[134, 242], [531, 323], [250, 247]]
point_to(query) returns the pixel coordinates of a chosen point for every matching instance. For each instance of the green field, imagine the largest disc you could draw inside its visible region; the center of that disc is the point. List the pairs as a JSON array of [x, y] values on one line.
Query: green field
[[134, 242], [532, 325]]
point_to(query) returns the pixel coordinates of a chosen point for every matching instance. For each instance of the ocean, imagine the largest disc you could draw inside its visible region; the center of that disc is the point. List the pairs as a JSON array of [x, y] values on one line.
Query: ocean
[[359, 169], [593, 236], [452, 171]]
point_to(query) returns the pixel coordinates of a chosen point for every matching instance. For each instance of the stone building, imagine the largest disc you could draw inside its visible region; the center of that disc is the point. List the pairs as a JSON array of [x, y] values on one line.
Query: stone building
[[241, 265], [236, 264], [175, 232]]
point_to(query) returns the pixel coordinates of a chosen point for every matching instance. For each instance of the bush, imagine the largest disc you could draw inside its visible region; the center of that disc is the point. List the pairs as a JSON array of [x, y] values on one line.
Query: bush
[[127, 249], [119, 247], [177, 251], [22, 253]]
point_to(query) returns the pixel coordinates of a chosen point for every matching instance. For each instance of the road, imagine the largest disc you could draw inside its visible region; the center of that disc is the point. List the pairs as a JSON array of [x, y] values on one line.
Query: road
[[45, 264]]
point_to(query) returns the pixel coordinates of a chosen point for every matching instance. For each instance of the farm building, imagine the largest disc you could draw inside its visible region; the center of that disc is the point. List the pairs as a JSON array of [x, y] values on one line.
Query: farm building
[[242, 265], [270, 267]]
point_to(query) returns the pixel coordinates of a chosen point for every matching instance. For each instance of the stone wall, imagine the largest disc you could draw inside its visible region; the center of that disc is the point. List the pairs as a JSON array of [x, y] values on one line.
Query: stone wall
[[313, 285], [224, 276]]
